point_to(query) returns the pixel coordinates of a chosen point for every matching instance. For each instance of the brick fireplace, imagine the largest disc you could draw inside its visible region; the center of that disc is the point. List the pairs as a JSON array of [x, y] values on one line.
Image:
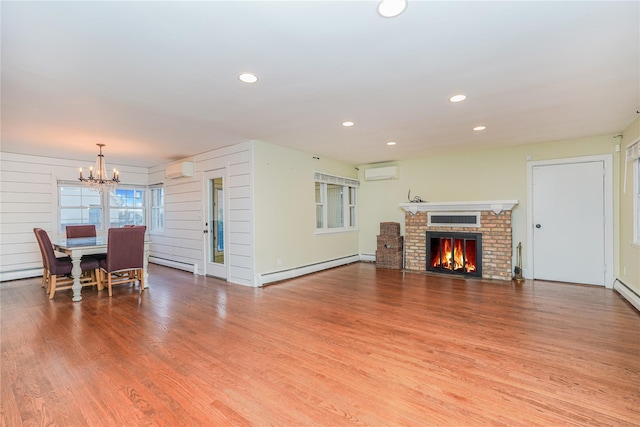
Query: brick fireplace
[[490, 219]]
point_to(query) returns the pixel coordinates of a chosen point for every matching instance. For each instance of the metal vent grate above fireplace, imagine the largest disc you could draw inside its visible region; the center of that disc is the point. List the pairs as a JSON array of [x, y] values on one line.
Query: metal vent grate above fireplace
[[453, 219]]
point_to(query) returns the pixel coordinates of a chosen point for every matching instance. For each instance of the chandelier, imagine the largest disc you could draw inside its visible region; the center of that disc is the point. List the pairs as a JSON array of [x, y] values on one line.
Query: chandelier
[[98, 178]]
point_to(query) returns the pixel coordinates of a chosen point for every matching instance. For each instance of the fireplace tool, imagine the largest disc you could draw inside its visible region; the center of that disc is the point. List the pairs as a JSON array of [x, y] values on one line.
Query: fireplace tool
[[517, 271]]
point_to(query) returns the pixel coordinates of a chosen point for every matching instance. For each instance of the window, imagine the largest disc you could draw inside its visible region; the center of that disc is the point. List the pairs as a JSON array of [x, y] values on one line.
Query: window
[[335, 203], [79, 205], [157, 208], [319, 205], [633, 155], [352, 207], [126, 207], [636, 205]]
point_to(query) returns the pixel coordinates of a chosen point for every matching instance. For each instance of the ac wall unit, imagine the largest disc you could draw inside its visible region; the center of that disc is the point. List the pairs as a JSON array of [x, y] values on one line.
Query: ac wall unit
[[178, 170], [377, 174]]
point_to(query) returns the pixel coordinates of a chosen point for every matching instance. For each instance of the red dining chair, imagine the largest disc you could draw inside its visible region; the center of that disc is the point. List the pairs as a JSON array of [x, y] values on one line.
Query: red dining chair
[[134, 273], [125, 257], [57, 270], [144, 227], [45, 272], [83, 230]]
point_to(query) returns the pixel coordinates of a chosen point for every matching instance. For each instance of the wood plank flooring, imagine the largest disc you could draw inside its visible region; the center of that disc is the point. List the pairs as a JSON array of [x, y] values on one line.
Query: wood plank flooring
[[354, 345]]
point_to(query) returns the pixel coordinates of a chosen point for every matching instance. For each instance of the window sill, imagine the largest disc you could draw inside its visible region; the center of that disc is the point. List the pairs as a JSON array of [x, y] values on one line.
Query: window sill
[[635, 244], [335, 231]]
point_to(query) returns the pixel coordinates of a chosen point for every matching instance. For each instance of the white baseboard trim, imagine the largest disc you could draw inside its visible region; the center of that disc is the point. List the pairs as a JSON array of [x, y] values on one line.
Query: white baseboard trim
[[367, 257], [5, 276], [627, 293], [191, 268], [264, 279]]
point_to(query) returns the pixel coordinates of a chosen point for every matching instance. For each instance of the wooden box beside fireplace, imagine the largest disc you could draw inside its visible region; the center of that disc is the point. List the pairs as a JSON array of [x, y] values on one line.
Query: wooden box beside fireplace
[[390, 245]]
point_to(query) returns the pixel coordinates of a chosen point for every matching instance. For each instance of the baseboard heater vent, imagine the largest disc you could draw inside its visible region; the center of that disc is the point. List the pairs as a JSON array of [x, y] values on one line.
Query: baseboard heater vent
[[192, 268], [627, 293], [6, 276], [454, 219], [276, 276]]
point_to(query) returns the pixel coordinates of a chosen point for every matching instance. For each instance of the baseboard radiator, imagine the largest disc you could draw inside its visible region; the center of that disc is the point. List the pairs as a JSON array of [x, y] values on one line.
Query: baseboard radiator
[[276, 276], [191, 268], [627, 293], [6, 276]]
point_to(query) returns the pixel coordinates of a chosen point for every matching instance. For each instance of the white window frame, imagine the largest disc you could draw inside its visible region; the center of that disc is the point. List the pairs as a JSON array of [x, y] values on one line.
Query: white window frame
[[144, 208], [632, 154], [60, 206], [105, 204], [323, 180], [153, 208], [636, 202]]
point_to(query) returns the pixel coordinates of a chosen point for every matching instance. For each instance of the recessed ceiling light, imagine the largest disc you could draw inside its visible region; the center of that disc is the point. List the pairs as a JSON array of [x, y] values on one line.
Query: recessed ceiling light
[[391, 143], [248, 78], [391, 8], [458, 98], [479, 128], [347, 124]]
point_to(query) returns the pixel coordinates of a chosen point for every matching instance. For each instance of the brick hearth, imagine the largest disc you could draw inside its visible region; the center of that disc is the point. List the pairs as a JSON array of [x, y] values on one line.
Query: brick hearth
[[495, 228]]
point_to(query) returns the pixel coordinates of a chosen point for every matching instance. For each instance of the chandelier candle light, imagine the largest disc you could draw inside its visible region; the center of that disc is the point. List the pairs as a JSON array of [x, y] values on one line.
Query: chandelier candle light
[[100, 180]]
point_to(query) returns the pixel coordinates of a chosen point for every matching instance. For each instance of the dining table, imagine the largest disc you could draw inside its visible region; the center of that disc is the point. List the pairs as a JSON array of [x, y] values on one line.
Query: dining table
[[79, 246]]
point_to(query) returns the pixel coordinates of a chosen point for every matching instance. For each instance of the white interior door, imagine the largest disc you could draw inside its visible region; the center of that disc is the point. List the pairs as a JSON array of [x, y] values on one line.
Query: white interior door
[[215, 226], [568, 205]]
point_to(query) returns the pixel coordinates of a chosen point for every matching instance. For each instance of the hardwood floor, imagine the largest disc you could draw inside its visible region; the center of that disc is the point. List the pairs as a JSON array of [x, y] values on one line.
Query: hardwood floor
[[354, 345]]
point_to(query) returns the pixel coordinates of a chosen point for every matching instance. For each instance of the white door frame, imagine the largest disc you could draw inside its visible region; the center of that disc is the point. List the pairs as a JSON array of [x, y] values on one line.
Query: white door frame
[[223, 270], [607, 160]]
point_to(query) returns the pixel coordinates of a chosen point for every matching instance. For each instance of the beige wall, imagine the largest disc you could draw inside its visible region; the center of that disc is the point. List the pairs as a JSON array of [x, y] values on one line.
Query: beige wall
[[285, 210], [496, 174], [629, 265]]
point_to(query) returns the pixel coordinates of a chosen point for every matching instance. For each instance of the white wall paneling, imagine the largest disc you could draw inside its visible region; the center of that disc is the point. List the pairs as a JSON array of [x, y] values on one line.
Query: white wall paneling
[[182, 239], [28, 199]]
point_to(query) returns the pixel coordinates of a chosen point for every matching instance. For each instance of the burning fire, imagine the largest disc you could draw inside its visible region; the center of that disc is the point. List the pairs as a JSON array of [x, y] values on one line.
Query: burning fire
[[453, 259]]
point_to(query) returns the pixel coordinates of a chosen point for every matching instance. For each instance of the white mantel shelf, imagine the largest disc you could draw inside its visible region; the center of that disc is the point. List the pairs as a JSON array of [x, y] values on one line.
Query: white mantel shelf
[[496, 206]]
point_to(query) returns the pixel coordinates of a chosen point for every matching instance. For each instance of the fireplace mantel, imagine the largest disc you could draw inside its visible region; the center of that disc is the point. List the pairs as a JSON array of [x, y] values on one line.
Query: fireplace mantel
[[496, 206]]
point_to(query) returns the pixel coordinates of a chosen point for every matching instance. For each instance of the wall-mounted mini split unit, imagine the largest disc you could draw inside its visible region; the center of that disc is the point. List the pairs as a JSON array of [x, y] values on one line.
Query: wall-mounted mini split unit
[[377, 174], [178, 170]]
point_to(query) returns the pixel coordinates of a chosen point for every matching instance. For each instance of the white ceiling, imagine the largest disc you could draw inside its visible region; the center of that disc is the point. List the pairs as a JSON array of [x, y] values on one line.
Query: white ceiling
[[157, 81]]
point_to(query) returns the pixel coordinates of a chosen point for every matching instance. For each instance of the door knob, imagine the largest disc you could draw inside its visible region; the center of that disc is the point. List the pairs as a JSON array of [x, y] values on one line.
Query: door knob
[[538, 226]]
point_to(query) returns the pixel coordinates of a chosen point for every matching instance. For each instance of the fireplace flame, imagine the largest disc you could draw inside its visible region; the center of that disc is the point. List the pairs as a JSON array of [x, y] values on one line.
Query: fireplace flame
[[453, 258]]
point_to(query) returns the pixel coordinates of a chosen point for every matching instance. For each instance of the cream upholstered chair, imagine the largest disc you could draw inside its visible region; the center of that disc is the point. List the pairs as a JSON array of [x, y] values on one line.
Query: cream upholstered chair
[[57, 271], [125, 257]]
